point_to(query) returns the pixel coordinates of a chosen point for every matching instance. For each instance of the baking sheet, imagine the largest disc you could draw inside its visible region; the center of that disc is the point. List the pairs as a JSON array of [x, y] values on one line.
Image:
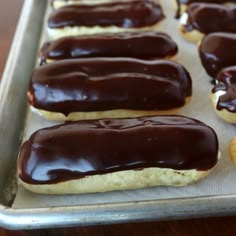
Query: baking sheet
[[220, 181], [215, 195]]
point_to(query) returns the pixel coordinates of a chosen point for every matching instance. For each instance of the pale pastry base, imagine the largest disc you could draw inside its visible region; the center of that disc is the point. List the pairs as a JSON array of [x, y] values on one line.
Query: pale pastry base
[[83, 30], [59, 4], [121, 180], [173, 58], [225, 115], [92, 115], [232, 149], [193, 36]]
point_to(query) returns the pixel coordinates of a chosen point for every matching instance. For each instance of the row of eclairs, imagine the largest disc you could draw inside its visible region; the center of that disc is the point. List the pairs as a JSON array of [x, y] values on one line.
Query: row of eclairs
[[111, 77], [211, 24]]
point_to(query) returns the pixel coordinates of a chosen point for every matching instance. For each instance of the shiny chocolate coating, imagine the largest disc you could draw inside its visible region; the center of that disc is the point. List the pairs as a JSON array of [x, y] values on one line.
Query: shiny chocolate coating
[[226, 81], [85, 148], [187, 2], [144, 45], [208, 18], [121, 14], [218, 50], [100, 84]]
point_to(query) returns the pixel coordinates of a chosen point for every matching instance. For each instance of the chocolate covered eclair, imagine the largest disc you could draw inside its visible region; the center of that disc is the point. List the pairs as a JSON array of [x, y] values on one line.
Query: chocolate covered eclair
[[108, 87], [217, 51], [181, 5], [201, 19], [117, 154], [143, 45], [224, 94], [110, 17]]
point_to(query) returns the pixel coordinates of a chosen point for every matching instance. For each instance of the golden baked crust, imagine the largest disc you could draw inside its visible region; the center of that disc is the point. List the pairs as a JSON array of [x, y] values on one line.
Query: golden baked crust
[[232, 149], [225, 115], [83, 30], [121, 180], [119, 113], [59, 3]]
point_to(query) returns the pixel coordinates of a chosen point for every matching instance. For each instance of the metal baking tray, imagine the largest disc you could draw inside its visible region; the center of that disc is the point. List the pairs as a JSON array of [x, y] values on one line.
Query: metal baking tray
[[13, 112]]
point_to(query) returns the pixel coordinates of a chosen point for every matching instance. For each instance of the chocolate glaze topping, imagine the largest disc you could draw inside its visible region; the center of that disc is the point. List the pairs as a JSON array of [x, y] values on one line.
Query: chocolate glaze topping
[[208, 18], [99, 84], [187, 2], [122, 14], [85, 148], [218, 50], [143, 45], [226, 81]]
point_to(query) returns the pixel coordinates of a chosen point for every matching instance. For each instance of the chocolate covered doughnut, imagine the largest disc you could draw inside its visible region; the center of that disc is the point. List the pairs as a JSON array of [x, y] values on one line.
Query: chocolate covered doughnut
[[224, 94], [201, 19], [110, 17], [143, 45], [117, 154], [218, 50], [105, 88]]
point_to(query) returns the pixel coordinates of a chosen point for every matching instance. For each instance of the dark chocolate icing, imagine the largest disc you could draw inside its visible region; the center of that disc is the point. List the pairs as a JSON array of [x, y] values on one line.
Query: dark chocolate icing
[[187, 2], [122, 14], [208, 18], [226, 81], [218, 50], [85, 148], [99, 84], [143, 45]]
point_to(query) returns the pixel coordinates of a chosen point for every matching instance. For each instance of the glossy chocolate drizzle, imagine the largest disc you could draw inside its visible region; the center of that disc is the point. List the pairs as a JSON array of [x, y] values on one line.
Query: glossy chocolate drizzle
[[144, 45], [122, 14], [226, 81], [208, 18], [99, 84], [85, 148], [218, 50], [187, 2]]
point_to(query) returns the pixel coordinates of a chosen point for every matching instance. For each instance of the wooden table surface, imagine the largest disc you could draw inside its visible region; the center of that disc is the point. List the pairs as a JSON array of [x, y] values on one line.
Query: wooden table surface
[[9, 13]]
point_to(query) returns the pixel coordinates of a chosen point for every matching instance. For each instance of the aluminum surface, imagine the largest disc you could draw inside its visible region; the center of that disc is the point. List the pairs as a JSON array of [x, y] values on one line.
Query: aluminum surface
[[13, 98]]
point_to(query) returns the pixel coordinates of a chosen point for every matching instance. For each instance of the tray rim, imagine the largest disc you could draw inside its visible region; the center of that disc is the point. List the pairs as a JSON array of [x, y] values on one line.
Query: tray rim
[[101, 214], [108, 213]]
